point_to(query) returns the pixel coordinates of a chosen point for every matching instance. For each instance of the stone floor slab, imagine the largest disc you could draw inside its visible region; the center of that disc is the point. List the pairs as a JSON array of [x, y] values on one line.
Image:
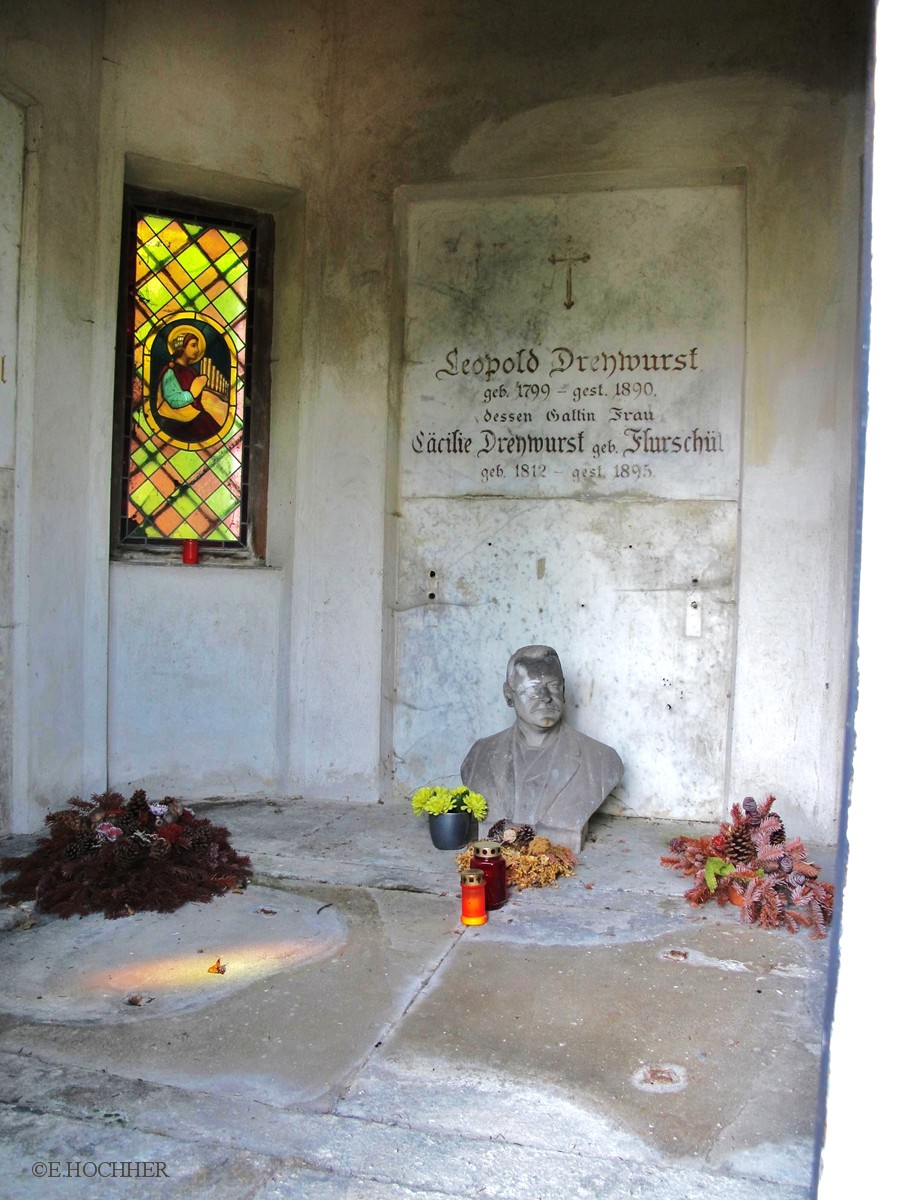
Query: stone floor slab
[[600, 1039]]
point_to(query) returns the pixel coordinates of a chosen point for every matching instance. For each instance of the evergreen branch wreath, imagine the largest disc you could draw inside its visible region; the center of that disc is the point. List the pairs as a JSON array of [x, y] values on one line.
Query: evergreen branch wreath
[[119, 857], [751, 863]]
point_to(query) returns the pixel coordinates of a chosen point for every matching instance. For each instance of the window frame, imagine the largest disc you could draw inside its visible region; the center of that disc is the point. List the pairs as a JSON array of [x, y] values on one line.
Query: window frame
[[257, 381]]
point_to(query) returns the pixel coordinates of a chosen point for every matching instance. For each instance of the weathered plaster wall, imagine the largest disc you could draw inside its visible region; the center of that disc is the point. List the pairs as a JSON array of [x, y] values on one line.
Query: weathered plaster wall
[[506, 92], [800, 151], [12, 156], [120, 100], [49, 61], [321, 110]]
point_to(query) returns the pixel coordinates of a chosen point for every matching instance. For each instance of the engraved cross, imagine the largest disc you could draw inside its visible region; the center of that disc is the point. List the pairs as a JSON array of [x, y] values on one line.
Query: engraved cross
[[569, 260]]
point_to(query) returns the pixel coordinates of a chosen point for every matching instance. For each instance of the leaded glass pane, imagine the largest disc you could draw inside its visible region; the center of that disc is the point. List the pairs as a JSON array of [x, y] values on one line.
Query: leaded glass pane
[[186, 460]]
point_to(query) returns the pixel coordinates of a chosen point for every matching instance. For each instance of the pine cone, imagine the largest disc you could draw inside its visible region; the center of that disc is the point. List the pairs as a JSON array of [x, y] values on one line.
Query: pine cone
[[524, 836], [778, 836], [739, 845], [80, 845], [754, 816], [66, 819], [198, 835], [127, 850], [496, 831], [515, 836]]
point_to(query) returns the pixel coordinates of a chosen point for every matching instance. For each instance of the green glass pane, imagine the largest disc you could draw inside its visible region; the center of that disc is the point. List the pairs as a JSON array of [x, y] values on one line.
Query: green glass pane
[[194, 261], [147, 497], [155, 294], [227, 261], [189, 297], [229, 305], [192, 229], [184, 531], [186, 463], [141, 423], [186, 502], [155, 254], [156, 223], [236, 272], [222, 502], [221, 534], [224, 464]]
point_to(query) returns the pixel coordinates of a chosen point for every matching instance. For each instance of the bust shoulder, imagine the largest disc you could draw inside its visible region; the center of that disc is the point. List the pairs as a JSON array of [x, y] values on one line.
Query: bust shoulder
[[601, 759]]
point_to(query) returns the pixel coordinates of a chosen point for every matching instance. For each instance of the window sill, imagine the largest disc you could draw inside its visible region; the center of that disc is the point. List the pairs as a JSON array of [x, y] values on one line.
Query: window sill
[[170, 556]]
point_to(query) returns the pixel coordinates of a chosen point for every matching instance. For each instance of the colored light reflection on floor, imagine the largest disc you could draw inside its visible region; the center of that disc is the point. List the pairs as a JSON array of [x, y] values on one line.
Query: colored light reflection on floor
[[191, 969]]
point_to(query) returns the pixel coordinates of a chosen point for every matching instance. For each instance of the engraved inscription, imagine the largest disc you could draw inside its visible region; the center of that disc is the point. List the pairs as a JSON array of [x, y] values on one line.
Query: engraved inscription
[[597, 336], [533, 425]]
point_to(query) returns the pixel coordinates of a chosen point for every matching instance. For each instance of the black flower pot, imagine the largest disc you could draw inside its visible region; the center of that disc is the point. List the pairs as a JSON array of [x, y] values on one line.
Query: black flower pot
[[450, 831]]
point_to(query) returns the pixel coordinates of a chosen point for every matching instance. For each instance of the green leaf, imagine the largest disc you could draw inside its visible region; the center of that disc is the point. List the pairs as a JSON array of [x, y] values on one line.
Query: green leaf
[[716, 867]]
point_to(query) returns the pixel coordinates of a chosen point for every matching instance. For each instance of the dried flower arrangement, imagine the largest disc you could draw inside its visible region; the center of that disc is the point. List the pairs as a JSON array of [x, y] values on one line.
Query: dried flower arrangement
[[116, 857], [530, 861], [750, 862]]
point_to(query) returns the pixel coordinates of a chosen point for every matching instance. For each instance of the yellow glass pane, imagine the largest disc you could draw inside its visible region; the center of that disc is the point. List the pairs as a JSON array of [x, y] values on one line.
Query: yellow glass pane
[[178, 275], [174, 236], [207, 279]]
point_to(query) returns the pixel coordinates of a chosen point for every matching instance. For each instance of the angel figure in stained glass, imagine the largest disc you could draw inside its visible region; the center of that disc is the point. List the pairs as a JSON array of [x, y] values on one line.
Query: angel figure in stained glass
[[190, 406]]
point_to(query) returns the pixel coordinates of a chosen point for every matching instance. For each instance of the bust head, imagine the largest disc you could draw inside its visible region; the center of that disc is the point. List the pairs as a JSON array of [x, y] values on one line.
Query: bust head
[[540, 771], [536, 689]]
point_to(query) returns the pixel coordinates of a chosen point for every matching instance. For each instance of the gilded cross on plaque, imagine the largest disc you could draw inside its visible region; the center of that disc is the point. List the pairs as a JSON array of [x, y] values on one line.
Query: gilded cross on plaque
[[569, 260]]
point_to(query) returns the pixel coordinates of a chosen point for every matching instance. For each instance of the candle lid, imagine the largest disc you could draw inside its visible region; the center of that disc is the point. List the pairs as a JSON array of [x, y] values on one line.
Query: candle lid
[[471, 876], [486, 849]]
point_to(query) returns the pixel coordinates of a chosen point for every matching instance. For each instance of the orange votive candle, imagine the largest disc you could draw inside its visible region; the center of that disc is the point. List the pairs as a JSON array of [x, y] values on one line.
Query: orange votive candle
[[471, 885]]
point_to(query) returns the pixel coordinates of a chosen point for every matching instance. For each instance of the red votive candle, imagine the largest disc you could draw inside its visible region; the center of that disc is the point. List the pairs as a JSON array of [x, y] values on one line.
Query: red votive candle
[[472, 887], [190, 550], [487, 857]]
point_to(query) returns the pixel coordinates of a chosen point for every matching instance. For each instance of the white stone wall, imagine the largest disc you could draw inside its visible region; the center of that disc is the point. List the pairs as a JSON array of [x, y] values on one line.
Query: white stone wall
[[12, 156], [321, 112], [570, 461]]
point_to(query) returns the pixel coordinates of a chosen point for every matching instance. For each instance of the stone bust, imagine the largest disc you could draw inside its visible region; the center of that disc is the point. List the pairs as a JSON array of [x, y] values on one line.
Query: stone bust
[[540, 771]]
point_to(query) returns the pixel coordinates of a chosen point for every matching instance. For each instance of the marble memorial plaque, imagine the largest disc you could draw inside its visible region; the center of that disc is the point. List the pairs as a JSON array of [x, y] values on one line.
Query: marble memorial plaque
[[584, 344]]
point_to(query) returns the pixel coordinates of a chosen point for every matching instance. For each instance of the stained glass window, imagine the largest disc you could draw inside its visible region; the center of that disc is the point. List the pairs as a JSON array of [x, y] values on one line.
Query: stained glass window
[[189, 347]]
